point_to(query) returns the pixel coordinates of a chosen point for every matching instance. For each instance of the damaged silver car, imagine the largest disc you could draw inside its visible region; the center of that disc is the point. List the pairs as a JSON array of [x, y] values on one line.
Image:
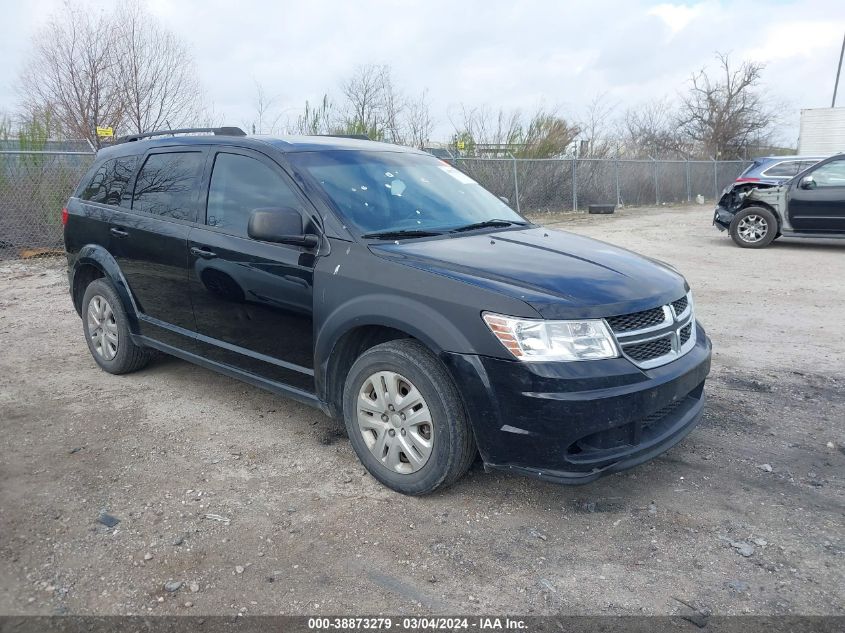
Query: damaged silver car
[[812, 204]]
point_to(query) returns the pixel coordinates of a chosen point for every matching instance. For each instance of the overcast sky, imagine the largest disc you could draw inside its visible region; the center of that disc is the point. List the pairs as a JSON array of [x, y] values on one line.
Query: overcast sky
[[513, 54]]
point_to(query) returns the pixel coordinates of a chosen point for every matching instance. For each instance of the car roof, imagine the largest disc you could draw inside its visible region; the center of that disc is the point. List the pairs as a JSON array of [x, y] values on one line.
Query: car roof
[[781, 158], [324, 143], [285, 144]]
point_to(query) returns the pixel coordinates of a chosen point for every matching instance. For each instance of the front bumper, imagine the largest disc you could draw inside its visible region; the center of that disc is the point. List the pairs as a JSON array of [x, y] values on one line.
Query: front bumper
[[722, 218], [574, 422]]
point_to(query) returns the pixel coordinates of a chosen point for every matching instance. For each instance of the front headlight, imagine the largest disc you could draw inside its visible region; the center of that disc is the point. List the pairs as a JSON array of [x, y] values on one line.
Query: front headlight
[[534, 340]]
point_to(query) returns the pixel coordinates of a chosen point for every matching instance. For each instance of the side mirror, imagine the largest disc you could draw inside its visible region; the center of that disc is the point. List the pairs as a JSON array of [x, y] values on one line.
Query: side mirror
[[282, 225], [808, 182]]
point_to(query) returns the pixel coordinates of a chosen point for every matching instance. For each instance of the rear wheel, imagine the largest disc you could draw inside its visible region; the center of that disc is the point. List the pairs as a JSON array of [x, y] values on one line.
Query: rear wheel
[[107, 330], [405, 418], [754, 227]]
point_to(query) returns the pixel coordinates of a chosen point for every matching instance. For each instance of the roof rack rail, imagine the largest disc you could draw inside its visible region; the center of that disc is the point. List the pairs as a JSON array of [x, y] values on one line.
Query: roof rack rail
[[360, 137], [217, 131]]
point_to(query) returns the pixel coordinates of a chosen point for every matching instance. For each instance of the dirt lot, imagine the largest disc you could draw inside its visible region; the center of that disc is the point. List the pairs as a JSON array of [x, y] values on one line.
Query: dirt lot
[[745, 516]]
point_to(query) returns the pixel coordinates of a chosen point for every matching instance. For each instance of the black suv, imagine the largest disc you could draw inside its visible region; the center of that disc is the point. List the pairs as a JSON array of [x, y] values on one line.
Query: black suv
[[392, 291]]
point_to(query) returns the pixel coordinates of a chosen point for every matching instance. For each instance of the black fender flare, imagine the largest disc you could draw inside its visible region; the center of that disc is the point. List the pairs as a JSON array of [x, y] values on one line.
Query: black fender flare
[[413, 317], [100, 258]]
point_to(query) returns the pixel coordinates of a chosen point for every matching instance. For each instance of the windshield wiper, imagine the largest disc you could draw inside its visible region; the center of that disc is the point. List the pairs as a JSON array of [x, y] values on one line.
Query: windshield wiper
[[487, 223], [401, 233]]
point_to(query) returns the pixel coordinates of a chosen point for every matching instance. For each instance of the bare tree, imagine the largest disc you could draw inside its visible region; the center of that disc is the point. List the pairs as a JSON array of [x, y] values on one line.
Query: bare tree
[[207, 116], [365, 101], [376, 106], [544, 134], [155, 75], [71, 73], [596, 128], [121, 70], [393, 111], [418, 121], [267, 117], [726, 113], [319, 119], [650, 130], [485, 127]]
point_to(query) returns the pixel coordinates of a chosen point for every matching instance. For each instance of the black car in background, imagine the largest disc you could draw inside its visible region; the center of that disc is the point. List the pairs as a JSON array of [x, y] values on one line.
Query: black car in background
[[810, 204], [391, 291]]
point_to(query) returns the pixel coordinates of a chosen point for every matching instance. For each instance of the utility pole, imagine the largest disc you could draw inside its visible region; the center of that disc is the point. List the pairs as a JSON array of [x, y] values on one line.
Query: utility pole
[[838, 70]]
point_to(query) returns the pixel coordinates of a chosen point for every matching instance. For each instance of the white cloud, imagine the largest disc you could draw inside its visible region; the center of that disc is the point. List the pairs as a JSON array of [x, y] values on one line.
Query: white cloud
[[676, 16], [799, 39]]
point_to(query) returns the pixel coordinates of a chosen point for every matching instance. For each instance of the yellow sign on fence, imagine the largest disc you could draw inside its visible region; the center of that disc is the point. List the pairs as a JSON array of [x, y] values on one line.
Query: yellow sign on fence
[[104, 131]]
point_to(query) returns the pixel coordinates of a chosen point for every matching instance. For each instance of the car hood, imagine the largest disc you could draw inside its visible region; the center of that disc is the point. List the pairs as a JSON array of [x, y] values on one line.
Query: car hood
[[560, 274]]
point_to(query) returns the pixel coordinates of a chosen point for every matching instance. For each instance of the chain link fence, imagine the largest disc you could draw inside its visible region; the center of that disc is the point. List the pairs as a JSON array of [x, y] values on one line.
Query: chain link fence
[[547, 185], [35, 185]]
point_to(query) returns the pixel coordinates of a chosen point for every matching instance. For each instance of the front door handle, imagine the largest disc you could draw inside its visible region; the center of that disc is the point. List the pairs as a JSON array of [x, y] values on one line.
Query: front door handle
[[201, 252], [118, 232]]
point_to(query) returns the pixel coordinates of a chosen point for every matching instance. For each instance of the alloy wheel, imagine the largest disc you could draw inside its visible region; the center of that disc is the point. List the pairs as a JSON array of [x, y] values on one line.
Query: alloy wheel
[[752, 228], [102, 327]]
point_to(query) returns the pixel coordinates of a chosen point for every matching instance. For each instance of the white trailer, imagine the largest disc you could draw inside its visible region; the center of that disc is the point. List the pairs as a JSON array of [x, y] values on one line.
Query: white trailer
[[822, 132]]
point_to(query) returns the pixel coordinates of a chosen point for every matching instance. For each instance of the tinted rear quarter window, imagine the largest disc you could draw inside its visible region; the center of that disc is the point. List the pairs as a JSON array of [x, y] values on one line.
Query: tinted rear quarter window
[[752, 167], [785, 169], [110, 181], [167, 185]]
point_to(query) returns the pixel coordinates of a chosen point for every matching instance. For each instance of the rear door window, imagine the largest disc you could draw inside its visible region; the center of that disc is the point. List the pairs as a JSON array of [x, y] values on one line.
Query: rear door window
[[168, 184], [110, 181]]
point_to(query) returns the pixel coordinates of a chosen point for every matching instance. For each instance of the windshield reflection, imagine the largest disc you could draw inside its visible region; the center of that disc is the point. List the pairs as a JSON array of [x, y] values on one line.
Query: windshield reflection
[[379, 192]]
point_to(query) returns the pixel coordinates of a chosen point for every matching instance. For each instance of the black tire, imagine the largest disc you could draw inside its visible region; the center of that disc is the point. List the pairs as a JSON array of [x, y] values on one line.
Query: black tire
[[129, 357], [453, 446], [765, 217]]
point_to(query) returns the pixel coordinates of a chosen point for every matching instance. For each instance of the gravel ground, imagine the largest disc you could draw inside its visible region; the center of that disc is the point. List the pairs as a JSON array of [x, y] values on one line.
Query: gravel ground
[[245, 502]]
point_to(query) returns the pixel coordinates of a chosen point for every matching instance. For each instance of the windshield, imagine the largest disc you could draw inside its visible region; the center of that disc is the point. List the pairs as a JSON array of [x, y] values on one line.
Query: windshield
[[386, 192]]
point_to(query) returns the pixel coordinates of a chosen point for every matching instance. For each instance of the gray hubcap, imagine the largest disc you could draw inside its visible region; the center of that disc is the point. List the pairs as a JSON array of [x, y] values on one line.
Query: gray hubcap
[[395, 422], [752, 228], [102, 327]]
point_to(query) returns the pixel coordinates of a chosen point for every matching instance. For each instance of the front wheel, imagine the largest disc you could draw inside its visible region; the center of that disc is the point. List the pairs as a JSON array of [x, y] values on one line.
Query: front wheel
[[754, 227], [405, 418]]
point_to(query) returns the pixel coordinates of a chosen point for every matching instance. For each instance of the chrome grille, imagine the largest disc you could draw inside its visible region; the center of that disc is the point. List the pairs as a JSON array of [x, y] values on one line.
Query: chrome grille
[[657, 336]]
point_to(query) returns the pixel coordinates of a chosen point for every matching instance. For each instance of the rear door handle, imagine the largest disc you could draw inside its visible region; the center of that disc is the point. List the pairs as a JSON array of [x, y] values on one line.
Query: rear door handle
[[118, 232], [200, 252]]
